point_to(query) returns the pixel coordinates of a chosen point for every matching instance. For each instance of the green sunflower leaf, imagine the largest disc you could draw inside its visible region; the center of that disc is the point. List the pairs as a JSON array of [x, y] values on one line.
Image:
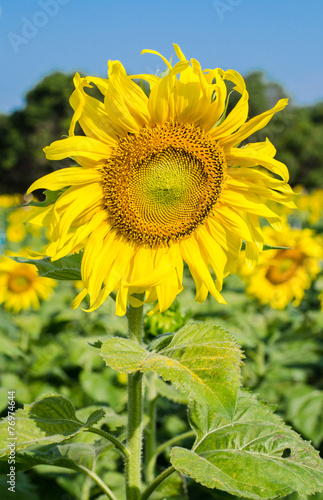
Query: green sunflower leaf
[[69, 456], [168, 391], [202, 361], [50, 419], [67, 268], [253, 454]]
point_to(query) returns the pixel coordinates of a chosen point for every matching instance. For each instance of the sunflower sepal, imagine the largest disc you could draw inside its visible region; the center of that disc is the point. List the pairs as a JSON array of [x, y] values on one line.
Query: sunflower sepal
[[224, 114], [50, 198], [65, 269], [266, 247], [164, 73], [144, 88], [253, 454], [194, 362]]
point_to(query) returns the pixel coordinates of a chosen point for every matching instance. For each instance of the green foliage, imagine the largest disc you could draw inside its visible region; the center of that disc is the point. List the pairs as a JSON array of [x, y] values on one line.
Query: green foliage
[[201, 360], [49, 351], [253, 455], [50, 419], [305, 410], [168, 391], [55, 350], [24, 489], [67, 268], [69, 456], [172, 489]]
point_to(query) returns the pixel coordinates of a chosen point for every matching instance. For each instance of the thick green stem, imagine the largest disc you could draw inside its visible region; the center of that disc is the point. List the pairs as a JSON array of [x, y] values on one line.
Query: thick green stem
[[135, 409], [150, 431], [134, 437], [135, 321]]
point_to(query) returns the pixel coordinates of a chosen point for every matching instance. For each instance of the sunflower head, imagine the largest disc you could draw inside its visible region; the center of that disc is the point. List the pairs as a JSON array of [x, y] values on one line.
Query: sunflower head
[[283, 275], [161, 184], [21, 287], [161, 181]]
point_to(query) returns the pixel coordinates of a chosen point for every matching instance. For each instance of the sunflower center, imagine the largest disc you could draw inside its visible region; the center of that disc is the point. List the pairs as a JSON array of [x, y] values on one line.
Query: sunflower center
[[287, 263], [19, 283], [161, 183]]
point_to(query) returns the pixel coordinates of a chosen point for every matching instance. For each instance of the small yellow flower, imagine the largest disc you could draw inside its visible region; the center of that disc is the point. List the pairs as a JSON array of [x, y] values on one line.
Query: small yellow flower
[[21, 287], [282, 276], [161, 182]]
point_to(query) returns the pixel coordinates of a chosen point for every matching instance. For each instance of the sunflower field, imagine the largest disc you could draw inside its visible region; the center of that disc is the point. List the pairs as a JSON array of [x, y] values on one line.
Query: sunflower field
[[161, 302]]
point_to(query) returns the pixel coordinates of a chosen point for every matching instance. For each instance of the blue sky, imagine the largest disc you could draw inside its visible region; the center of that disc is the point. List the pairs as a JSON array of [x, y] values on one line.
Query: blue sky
[[282, 37]]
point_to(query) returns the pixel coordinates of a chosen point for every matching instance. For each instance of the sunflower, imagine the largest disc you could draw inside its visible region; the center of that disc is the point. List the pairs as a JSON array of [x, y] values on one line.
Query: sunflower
[[21, 287], [161, 181], [282, 276]]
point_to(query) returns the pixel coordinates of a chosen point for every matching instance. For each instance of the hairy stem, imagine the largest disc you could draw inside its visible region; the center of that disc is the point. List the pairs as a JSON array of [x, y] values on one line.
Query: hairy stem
[[150, 431], [135, 409]]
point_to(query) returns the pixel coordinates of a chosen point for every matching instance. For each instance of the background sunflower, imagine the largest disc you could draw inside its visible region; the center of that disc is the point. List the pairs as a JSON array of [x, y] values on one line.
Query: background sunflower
[[21, 287], [283, 275]]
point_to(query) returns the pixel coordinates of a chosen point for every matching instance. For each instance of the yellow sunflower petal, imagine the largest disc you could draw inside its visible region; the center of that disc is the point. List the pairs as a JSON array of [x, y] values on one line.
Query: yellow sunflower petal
[[78, 146], [125, 102], [254, 124], [65, 177], [148, 51], [245, 157], [91, 114], [161, 100], [238, 115], [193, 258]]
